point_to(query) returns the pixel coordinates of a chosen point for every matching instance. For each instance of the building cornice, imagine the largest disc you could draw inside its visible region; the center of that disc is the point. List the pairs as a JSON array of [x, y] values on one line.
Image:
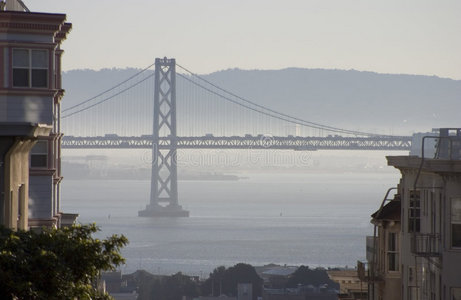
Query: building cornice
[[439, 166], [8, 26], [39, 222], [59, 95], [36, 23], [33, 17], [29, 45], [62, 34], [41, 171], [24, 129], [28, 92]]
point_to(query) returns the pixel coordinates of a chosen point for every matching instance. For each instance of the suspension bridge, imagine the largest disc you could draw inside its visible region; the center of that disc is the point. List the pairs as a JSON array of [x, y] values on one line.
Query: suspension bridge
[[160, 109]]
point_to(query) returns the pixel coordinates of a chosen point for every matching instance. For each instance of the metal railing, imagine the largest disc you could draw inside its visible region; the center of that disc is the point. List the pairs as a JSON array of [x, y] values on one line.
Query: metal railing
[[426, 244], [365, 272]]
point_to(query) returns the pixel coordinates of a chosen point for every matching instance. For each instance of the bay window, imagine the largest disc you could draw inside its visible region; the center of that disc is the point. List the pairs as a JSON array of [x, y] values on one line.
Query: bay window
[[39, 155], [30, 68]]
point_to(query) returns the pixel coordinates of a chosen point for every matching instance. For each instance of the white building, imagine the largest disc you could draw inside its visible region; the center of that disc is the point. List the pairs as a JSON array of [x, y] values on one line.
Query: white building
[[430, 225], [30, 100]]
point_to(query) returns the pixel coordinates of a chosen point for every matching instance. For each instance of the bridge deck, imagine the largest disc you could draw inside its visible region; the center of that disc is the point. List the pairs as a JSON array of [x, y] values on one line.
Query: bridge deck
[[246, 142]]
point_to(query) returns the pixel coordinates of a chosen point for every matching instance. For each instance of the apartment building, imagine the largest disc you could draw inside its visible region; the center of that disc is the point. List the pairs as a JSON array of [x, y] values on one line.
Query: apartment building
[[30, 100], [428, 242], [384, 277]]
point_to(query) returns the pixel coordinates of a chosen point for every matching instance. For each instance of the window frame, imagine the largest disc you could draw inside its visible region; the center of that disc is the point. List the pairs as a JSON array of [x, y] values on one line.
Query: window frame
[[392, 239], [31, 68], [44, 153], [414, 211], [453, 222]]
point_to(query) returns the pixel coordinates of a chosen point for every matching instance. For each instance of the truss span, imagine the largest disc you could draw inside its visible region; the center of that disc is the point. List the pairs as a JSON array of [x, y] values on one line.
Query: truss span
[[242, 142]]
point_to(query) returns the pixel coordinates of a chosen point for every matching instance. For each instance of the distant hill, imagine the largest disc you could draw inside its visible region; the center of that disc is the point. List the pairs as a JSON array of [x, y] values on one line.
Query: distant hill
[[384, 103]]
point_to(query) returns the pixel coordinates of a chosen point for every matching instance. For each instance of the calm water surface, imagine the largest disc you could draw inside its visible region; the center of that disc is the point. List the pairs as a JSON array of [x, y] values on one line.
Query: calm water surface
[[310, 219]]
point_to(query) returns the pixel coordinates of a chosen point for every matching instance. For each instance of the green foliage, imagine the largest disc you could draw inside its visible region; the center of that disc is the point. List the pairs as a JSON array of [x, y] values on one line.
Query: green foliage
[[168, 288], [154, 287], [304, 276], [226, 280], [56, 263]]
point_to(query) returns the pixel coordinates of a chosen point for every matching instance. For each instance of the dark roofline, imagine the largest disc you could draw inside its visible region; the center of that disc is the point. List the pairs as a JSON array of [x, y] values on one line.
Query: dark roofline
[[390, 211], [34, 14]]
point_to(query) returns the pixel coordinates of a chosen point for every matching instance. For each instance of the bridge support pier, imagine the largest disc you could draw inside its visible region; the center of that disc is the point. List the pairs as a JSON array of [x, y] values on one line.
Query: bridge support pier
[[164, 180]]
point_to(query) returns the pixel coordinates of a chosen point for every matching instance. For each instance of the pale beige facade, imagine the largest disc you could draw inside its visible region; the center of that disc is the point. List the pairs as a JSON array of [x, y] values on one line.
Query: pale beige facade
[[430, 247], [16, 141], [30, 97], [429, 243], [351, 286], [384, 274]]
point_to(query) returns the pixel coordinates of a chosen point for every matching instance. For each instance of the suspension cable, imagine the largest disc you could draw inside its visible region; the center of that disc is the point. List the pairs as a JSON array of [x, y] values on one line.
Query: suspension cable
[[108, 98], [108, 90], [259, 108], [259, 111], [303, 122]]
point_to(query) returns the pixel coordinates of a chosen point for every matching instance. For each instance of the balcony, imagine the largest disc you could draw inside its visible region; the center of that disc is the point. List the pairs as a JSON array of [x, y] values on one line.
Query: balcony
[[426, 244], [364, 272]]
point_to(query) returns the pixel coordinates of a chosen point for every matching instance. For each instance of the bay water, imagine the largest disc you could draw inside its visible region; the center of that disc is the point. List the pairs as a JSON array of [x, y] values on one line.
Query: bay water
[[315, 219]]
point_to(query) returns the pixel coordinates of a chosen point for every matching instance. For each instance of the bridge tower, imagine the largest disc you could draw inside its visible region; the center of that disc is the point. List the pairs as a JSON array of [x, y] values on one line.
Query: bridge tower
[[164, 180]]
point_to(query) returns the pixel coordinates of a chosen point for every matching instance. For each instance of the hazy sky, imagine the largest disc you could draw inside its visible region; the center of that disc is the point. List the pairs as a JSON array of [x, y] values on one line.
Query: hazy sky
[[392, 36]]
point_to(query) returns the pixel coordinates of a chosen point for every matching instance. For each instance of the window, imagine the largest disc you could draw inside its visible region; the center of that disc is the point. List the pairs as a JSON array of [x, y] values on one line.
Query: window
[[434, 213], [456, 222], [392, 252], [414, 212], [39, 155], [30, 68]]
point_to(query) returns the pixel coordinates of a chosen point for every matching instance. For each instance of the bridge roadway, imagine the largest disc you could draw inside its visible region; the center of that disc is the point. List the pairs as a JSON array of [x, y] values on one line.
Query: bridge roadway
[[112, 141]]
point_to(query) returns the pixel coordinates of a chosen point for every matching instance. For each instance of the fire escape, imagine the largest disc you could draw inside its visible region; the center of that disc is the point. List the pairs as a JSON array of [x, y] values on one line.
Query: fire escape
[[427, 246]]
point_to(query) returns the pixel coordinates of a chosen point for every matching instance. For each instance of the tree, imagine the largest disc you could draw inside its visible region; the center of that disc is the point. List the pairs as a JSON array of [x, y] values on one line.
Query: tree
[[304, 276], [226, 280], [179, 285], [213, 285], [172, 287], [56, 263]]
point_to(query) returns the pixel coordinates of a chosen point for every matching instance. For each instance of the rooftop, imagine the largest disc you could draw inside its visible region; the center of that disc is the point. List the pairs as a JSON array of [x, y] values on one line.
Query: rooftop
[[431, 165], [390, 211]]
